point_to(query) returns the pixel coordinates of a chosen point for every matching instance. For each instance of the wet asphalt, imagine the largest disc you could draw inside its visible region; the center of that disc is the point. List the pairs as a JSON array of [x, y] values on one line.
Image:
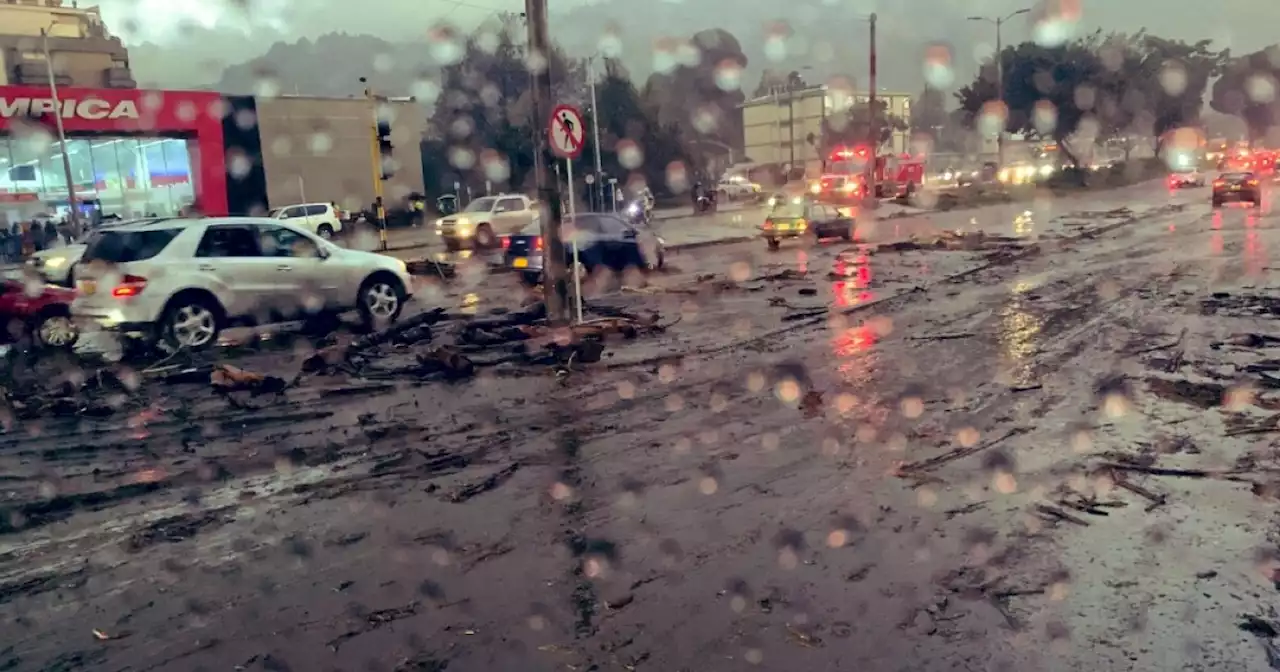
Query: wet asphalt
[[839, 456]]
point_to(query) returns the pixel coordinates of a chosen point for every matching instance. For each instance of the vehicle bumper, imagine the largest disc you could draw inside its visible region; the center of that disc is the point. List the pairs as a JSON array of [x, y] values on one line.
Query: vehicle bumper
[[122, 318], [1236, 196], [783, 235], [525, 264]]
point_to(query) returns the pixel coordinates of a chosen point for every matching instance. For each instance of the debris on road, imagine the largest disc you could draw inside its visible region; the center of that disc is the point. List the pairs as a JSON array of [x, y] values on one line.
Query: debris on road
[[226, 378]]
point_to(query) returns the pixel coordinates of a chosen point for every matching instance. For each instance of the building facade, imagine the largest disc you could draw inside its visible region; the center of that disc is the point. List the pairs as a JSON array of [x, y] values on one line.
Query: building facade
[[320, 149], [82, 51], [133, 152], [785, 127]]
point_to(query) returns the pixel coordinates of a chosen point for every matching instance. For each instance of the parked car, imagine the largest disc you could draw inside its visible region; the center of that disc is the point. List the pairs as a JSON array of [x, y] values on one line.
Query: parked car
[[1186, 178], [605, 240], [323, 219], [485, 220], [32, 308], [58, 265], [738, 188], [805, 218], [1237, 186], [184, 280]]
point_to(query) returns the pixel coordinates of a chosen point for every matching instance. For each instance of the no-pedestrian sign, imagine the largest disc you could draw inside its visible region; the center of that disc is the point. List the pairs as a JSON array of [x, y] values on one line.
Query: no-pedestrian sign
[[566, 132]]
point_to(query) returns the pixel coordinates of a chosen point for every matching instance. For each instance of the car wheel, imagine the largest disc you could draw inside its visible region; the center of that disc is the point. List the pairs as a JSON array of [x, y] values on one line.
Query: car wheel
[[847, 234], [1217, 203], [531, 279], [325, 231], [191, 322], [54, 328], [485, 239], [380, 299], [773, 243]]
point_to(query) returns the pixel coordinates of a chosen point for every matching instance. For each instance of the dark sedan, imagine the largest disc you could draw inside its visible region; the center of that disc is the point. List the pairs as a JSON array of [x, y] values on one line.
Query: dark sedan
[[1237, 186], [805, 218], [604, 240]]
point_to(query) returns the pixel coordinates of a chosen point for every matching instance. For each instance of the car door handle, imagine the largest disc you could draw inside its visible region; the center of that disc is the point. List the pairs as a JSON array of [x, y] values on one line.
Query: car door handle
[[284, 267], [207, 267]]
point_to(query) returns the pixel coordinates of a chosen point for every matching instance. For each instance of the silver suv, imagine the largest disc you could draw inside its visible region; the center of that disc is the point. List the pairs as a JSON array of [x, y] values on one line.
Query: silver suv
[[184, 280]]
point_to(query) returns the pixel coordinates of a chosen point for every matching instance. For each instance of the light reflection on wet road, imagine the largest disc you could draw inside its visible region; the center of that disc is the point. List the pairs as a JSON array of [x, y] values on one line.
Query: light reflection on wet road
[[1019, 336]]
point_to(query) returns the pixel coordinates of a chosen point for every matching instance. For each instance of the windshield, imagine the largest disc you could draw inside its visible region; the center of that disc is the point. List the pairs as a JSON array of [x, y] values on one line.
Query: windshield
[[481, 205], [998, 393], [788, 209]]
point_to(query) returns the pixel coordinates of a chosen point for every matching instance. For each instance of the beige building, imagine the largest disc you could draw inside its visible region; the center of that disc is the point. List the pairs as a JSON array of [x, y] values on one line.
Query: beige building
[[84, 53], [786, 127], [321, 149]]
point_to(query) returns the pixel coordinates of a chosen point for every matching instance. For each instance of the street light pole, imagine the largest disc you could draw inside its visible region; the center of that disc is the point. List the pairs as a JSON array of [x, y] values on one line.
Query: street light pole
[[72, 201], [595, 125], [872, 120], [999, 23]]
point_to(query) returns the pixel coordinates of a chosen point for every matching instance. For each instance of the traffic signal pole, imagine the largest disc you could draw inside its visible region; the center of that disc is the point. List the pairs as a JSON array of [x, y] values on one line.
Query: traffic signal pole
[[873, 120], [554, 292], [378, 165]]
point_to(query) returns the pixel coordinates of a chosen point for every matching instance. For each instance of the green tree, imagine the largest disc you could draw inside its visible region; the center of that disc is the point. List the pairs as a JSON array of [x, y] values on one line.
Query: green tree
[[929, 114], [853, 127], [1247, 89]]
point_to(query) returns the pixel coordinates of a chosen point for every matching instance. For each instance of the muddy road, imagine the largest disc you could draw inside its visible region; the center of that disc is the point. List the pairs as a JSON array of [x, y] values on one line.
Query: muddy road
[[962, 453]]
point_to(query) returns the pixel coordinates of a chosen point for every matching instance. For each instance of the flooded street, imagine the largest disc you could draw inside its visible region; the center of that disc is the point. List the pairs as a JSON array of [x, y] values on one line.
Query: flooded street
[[1047, 447]]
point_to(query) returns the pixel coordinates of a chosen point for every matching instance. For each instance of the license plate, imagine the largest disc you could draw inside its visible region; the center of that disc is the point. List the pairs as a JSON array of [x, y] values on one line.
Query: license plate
[[88, 287], [520, 262], [784, 227], [1235, 187]]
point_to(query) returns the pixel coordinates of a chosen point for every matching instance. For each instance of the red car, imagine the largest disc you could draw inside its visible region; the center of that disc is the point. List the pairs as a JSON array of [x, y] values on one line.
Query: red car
[[31, 307]]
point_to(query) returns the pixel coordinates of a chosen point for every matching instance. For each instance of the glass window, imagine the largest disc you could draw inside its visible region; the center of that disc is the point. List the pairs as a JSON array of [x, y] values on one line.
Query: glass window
[[481, 205], [124, 246], [229, 241], [295, 211], [278, 241], [510, 205], [313, 210]]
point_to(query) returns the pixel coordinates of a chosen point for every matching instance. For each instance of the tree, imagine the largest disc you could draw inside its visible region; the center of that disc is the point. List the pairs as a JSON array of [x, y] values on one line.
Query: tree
[[853, 127], [698, 99], [928, 114], [1248, 89], [624, 117]]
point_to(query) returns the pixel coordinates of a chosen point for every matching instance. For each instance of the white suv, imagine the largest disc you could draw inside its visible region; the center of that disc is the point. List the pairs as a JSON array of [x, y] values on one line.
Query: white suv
[[184, 280], [322, 219]]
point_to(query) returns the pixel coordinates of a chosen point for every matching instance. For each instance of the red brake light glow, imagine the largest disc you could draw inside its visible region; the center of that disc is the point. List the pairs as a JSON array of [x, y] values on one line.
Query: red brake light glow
[[506, 242], [537, 243], [130, 285], [768, 223]]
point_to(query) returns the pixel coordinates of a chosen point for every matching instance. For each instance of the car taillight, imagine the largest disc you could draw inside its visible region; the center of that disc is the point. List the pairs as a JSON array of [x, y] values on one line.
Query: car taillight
[[506, 242], [537, 243], [1219, 183], [768, 223], [801, 224], [1253, 183], [130, 285]]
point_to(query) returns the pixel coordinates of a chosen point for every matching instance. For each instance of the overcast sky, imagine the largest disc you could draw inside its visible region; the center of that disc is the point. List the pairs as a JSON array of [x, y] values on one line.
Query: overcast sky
[[1240, 24]]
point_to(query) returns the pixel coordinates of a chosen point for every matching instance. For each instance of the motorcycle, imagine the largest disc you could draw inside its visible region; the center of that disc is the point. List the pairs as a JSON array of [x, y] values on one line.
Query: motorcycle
[[706, 205]]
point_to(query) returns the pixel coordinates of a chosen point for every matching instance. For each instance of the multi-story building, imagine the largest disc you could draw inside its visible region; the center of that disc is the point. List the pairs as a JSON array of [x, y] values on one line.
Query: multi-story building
[[784, 128], [83, 52]]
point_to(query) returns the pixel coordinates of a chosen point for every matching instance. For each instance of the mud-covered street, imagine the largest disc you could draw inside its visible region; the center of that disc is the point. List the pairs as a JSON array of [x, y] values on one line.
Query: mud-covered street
[[1049, 446]]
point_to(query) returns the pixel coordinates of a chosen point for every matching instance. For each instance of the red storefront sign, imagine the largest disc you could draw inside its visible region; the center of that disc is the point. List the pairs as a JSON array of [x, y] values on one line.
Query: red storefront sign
[[193, 115]]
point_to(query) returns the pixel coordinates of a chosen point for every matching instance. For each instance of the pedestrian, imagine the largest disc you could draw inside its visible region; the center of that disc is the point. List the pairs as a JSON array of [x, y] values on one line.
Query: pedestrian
[[28, 238]]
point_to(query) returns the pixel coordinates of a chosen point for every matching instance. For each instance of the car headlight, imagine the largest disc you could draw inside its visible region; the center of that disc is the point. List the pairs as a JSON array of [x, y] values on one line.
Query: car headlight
[[1004, 175], [633, 209], [1046, 170], [815, 188], [773, 200], [55, 262], [948, 175]]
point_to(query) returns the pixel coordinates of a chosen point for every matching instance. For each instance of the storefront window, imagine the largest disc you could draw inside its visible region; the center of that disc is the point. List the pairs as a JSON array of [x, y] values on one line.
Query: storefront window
[[126, 176]]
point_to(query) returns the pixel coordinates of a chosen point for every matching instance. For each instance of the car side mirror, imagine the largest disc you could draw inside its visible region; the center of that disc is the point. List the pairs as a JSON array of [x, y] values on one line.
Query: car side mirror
[[631, 233], [322, 253]]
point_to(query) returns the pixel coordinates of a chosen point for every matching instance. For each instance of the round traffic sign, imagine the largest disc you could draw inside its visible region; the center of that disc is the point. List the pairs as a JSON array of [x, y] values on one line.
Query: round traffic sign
[[591, 179], [566, 132]]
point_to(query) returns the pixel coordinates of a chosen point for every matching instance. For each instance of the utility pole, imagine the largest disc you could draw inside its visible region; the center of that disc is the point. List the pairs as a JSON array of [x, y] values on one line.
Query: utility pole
[[595, 125], [554, 290], [999, 23], [72, 202], [379, 210], [873, 121], [791, 124]]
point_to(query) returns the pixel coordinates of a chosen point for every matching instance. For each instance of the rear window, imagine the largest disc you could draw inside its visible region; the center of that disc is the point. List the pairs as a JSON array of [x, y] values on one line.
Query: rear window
[[119, 247], [784, 210], [1237, 177]]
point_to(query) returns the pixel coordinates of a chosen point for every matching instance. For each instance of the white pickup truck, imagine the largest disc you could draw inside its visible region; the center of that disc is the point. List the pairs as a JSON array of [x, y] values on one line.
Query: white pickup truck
[[485, 220]]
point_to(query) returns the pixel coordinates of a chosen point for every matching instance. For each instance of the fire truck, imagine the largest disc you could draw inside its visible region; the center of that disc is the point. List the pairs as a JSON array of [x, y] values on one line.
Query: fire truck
[[844, 174]]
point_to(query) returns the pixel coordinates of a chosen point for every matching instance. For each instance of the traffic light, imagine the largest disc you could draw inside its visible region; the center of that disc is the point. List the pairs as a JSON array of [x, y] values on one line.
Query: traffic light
[[383, 133]]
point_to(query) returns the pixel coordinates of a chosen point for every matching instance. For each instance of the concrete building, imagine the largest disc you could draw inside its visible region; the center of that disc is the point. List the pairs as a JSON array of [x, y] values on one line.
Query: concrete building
[[786, 126], [83, 52], [320, 149]]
